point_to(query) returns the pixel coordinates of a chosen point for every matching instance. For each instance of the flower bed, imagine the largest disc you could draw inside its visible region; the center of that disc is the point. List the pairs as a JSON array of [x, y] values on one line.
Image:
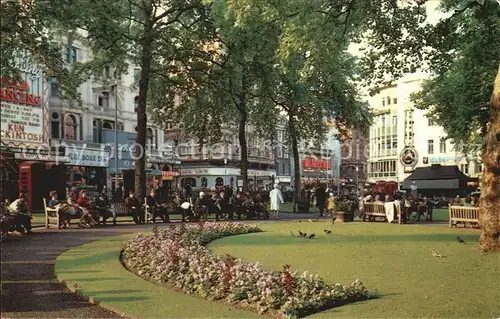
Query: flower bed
[[177, 257]]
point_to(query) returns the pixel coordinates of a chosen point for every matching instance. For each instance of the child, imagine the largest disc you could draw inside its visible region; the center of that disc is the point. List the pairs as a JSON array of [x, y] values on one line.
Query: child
[[331, 205]]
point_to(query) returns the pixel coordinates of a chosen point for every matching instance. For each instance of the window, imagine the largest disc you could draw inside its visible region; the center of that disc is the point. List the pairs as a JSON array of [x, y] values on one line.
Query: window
[[478, 168], [280, 152], [137, 75], [394, 142], [285, 152], [71, 55], [388, 100], [136, 103], [442, 146], [383, 102], [430, 122], [394, 101], [464, 168], [103, 99], [394, 120], [55, 125], [150, 139], [280, 136], [108, 125], [430, 146], [107, 72], [70, 128], [54, 87]]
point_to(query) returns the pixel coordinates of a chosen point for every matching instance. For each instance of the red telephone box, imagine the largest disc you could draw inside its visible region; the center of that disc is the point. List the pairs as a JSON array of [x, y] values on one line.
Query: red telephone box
[[26, 181]]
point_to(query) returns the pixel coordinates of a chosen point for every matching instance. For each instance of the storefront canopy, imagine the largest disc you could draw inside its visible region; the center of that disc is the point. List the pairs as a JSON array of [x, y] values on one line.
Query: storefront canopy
[[437, 177]]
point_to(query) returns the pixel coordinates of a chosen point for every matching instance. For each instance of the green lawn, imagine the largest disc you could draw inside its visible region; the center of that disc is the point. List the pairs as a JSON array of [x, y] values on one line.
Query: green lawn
[[393, 261], [95, 268]]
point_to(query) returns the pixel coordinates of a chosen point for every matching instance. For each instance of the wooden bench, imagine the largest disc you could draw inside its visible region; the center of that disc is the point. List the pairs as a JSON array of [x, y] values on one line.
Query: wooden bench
[[51, 215], [374, 210], [461, 214]]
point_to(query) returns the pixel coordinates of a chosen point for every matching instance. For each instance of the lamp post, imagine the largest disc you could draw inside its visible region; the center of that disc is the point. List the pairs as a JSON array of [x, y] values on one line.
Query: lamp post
[[225, 171], [357, 182], [115, 89]]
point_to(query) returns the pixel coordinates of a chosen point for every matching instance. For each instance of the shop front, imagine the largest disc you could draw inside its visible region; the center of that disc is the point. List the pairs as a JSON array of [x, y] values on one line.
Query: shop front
[[38, 174], [209, 177], [88, 166], [24, 132]]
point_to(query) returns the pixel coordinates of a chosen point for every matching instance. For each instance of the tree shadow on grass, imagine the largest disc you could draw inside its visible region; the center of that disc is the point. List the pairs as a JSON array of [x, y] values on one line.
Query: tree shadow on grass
[[91, 259], [281, 239], [110, 292], [94, 279], [120, 299]]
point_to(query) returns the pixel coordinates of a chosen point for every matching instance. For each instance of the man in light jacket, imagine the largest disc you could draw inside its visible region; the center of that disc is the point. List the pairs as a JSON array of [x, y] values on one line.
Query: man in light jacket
[[276, 199]]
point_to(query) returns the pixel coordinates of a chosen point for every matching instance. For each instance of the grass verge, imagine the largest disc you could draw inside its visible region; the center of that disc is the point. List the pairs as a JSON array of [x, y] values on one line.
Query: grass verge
[[394, 261], [96, 271]]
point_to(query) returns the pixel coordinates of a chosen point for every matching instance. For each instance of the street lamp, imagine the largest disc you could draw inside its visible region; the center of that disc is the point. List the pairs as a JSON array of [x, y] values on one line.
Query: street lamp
[[225, 171], [357, 182], [115, 89]]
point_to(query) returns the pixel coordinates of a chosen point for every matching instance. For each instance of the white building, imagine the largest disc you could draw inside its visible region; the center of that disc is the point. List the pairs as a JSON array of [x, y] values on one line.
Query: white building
[[85, 134], [398, 124]]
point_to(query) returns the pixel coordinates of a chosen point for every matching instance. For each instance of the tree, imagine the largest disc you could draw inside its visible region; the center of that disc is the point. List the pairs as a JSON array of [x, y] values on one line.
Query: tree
[[458, 96], [26, 30], [461, 49], [489, 204], [143, 33], [223, 71]]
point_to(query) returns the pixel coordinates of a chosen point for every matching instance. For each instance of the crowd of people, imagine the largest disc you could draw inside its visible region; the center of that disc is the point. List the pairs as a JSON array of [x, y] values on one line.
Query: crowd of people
[[94, 209]]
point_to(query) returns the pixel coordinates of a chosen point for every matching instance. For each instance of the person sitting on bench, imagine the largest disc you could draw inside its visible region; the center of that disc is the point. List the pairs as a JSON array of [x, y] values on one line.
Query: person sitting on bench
[[22, 217], [156, 209], [134, 208]]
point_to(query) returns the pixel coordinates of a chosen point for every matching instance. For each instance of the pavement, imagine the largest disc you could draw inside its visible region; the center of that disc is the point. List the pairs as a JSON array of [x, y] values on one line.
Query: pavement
[[29, 288]]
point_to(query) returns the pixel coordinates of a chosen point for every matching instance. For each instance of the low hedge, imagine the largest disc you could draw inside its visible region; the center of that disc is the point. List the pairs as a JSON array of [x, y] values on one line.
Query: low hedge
[[178, 258]]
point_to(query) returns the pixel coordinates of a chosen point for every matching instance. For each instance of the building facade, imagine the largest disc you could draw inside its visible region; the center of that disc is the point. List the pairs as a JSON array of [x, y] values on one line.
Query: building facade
[[283, 157], [86, 135], [402, 137], [218, 164], [353, 167]]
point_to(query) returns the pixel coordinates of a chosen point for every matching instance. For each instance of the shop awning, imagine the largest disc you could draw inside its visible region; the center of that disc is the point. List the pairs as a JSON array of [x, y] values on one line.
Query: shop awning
[[437, 177]]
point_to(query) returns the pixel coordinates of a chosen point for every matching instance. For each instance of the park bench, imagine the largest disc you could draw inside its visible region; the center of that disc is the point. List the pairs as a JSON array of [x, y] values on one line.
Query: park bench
[[375, 210], [461, 214], [51, 215]]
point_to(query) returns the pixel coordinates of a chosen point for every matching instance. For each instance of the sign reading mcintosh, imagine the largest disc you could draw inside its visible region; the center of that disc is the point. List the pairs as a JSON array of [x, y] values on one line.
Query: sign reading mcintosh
[[24, 108]]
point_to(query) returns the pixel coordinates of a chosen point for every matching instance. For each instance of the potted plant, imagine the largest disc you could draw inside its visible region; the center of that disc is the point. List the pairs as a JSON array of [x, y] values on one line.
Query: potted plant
[[341, 209]]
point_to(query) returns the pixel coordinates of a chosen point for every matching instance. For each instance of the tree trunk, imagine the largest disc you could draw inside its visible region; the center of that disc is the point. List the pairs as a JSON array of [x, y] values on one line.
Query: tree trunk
[[489, 203], [243, 142], [296, 163], [140, 151]]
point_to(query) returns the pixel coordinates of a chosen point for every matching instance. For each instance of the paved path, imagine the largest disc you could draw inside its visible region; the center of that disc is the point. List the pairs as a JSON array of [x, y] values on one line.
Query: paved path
[[28, 285]]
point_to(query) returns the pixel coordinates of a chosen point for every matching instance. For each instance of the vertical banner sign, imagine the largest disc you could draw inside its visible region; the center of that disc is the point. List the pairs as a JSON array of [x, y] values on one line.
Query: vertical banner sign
[[24, 107]]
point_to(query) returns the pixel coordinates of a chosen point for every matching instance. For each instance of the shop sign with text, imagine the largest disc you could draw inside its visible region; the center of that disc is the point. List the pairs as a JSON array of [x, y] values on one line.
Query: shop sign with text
[[82, 157], [24, 121]]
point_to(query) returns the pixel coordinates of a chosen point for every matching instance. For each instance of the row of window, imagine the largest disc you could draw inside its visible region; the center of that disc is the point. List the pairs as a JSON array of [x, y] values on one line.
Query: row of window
[[442, 146], [383, 166], [72, 128], [283, 168], [387, 101]]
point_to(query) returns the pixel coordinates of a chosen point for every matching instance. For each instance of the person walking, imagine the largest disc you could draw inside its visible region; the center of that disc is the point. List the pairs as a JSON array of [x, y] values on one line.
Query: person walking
[[320, 196], [276, 199]]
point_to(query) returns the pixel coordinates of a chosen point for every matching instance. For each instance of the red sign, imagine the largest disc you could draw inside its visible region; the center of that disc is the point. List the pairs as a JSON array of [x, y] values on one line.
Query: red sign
[[18, 92], [310, 163]]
